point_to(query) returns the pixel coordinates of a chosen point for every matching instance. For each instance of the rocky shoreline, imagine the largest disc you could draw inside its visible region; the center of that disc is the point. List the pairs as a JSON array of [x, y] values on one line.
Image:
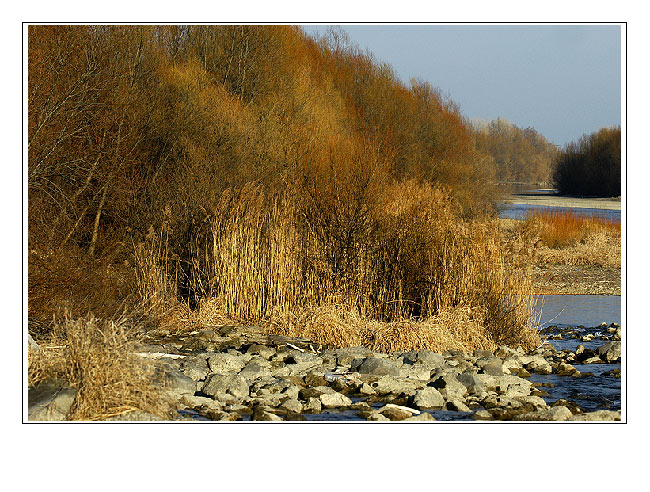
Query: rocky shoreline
[[240, 373]]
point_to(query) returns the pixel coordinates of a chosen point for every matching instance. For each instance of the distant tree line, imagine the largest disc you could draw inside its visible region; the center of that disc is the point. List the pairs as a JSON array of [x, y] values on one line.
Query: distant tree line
[[519, 155], [591, 166]]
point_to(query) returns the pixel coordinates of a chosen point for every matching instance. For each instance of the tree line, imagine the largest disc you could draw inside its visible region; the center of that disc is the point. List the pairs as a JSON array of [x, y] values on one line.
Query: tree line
[[591, 166], [519, 155]]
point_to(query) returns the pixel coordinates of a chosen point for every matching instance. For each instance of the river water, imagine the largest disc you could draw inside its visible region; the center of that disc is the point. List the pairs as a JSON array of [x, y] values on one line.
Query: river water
[[518, 212]]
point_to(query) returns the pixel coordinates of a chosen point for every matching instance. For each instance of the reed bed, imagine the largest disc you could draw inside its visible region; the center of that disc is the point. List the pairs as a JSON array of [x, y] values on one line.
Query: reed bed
[[401, 273]]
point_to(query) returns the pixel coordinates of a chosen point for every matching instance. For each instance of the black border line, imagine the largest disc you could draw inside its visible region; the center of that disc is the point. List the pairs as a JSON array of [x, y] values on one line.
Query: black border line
[[26, 24]]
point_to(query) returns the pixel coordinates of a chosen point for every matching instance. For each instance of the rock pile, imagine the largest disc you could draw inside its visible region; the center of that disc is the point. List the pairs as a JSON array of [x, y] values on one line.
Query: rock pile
[[230, 375]]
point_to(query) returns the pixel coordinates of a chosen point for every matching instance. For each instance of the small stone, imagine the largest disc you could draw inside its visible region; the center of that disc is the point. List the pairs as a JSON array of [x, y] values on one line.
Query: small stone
[[335, 400], [428, 398], [396, 412], [423, 417], [366, 390], [482, 415], [292, 405]]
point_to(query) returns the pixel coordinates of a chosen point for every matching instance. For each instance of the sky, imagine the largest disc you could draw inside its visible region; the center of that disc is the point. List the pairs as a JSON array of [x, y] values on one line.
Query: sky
[[562, 80]]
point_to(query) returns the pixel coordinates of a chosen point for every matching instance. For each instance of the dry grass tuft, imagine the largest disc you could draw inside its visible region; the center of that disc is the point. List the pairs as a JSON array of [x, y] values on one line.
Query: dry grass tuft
[[460, 328], [96, 357]]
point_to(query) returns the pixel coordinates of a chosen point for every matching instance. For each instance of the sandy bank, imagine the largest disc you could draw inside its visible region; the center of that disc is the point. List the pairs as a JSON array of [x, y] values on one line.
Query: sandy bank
[[550, 199]]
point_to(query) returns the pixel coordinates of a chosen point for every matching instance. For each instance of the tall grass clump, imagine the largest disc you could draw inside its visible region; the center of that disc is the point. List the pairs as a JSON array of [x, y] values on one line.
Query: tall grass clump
[[96, 357], [407, 256]]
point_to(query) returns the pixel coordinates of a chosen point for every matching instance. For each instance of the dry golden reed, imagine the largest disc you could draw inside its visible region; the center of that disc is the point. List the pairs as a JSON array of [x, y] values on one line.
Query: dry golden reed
[[459, 328], [408, 258], [97, 358]]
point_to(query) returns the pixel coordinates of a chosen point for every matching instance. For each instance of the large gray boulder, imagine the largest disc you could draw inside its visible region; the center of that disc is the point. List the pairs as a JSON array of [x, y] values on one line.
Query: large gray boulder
[[473, 383], [456, 404], [389, 385], [558, 413], [378, 367], [232, 384], [536, 364], [224, 363], [428, 398], [418, 370], [510, 386], [344, 356], [511, 365], [449, 386], [291, 405], [334, 400], [178, 384], [196, 367], [505, 351], [425, 357], [50, 400], [257, 367], [397, 412], [610, 352], [491, 365]]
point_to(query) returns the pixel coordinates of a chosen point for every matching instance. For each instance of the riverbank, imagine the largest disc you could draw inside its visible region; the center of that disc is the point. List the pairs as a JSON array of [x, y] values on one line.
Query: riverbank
[[591, 266], [548, 198], [227, 373], [577, 280]]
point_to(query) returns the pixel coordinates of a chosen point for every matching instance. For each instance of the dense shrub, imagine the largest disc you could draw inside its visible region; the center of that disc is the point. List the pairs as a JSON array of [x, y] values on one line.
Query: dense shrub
[[591, 166]]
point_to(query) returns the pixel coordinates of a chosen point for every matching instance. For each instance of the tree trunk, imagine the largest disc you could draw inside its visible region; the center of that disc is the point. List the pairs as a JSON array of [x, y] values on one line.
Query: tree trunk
[[93, 241]]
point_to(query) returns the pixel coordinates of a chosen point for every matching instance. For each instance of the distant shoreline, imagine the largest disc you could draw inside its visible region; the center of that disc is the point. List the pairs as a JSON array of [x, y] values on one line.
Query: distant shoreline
[[550, 199]]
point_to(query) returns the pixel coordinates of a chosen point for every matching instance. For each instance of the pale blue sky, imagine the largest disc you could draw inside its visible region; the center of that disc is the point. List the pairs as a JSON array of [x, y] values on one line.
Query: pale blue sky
[[562, 80]]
